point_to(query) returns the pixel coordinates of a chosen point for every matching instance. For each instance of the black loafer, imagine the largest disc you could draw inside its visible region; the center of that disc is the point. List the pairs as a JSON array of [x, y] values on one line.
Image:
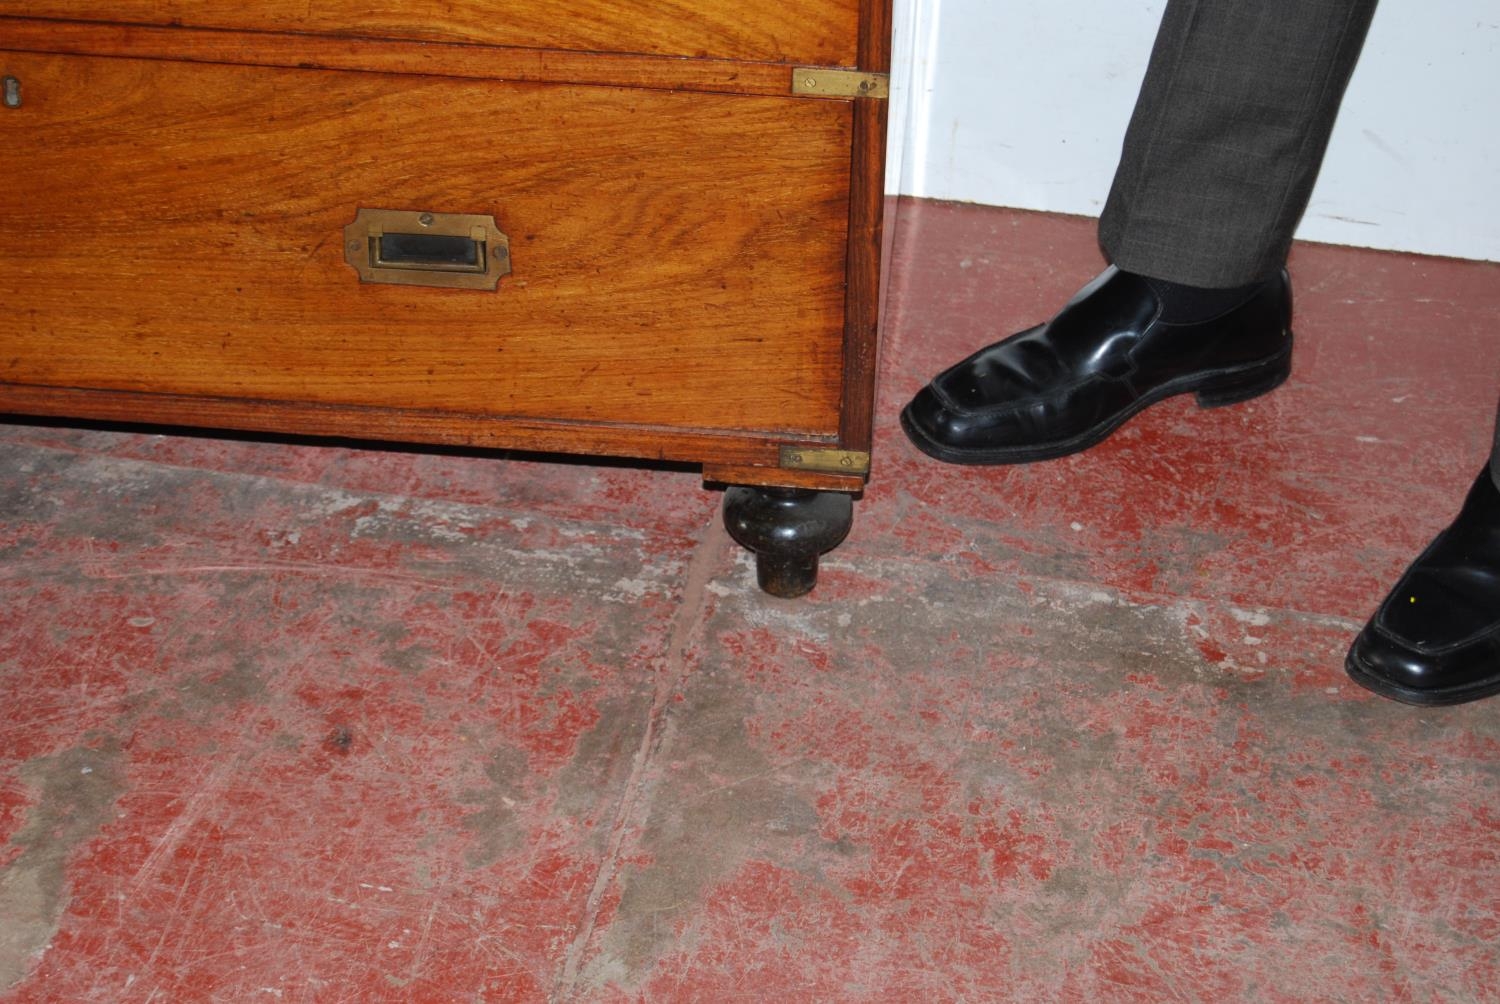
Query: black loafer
[[1063, 386], [1436, 638]]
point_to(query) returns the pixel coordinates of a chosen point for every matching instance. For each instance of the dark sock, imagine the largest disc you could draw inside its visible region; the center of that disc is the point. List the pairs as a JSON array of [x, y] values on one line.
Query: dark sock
[[1182, 304]]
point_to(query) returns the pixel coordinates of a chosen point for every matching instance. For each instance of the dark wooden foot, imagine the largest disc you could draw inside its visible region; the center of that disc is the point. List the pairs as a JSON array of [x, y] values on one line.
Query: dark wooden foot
[[787, 528]]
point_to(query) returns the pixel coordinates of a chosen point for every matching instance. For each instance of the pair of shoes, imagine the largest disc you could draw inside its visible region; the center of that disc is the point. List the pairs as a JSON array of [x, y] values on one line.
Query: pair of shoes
[[1064, 386], [1436, 638]]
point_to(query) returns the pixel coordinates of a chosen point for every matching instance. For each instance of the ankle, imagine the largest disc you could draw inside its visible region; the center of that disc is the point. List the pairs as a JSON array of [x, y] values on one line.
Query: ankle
[[1184, 304]]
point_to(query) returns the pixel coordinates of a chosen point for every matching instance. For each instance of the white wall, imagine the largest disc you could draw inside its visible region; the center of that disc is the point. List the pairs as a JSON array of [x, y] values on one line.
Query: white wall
[[1025, 104]]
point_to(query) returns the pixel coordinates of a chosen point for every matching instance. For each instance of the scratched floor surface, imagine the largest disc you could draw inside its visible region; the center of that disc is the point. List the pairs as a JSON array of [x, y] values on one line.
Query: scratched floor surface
[[304, 723]]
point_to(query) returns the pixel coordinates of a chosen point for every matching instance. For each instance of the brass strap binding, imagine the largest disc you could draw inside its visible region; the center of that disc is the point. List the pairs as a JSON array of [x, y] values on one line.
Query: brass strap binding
[[796, 458], [823, 82]]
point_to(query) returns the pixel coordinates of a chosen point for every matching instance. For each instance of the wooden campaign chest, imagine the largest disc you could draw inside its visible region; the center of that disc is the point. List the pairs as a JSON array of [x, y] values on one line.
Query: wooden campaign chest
[[643, 228]]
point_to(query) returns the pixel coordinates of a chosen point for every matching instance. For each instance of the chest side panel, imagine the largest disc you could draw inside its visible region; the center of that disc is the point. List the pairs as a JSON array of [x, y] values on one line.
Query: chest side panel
[[783, 31], [677, 259]]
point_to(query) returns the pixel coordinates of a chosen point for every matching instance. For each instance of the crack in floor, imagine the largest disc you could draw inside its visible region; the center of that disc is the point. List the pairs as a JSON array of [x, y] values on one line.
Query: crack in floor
[[709, 555]]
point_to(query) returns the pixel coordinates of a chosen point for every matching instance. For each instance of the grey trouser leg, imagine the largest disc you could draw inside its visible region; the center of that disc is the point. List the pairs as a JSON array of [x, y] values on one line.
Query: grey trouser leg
[[1227, 136]]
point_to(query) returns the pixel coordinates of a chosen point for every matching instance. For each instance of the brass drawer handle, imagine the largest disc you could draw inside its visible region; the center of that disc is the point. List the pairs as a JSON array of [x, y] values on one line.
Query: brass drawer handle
[[409, 248]]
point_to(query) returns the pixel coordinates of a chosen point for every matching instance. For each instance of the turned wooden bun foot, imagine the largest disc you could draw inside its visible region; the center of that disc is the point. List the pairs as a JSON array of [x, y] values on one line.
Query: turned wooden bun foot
[[787, 529]]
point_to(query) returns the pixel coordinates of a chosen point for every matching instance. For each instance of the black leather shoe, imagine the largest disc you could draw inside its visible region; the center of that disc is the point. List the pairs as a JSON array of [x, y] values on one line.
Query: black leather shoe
[[1436, 638], [1063, 386]]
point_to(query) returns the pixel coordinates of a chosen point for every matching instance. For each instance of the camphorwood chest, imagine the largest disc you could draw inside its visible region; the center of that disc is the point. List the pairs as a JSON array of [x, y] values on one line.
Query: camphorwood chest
[[626, 227]]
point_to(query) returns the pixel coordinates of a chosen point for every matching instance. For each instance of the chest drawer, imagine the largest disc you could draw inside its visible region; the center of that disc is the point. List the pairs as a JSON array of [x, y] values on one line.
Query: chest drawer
[[675, 259], [778, 31], [519, 226]]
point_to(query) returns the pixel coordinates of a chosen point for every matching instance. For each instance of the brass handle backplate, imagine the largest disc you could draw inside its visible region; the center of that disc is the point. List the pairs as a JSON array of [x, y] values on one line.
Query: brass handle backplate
[[414, 248]]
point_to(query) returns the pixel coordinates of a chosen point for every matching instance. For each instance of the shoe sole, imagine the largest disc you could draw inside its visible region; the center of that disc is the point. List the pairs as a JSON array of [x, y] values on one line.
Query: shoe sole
[[1419, 698], [1214, 390]]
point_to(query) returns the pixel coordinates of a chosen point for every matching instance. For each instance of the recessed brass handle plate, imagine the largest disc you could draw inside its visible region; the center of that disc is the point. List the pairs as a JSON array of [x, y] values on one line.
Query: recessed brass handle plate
[[415, 248]]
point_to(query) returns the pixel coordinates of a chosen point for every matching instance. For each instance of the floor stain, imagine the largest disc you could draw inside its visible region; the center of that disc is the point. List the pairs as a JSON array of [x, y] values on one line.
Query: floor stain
[[715, 809], [76, 792]]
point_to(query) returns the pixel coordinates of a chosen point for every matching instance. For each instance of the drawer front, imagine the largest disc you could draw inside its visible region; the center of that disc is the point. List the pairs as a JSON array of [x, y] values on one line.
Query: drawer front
[[785, 31], [676, 260]]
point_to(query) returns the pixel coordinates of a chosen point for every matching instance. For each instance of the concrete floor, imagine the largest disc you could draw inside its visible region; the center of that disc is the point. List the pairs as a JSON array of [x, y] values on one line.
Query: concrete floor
[[307, 723]]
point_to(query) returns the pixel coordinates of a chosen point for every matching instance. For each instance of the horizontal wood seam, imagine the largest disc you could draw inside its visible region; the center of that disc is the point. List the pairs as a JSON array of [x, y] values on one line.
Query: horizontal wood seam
[[290, 50]]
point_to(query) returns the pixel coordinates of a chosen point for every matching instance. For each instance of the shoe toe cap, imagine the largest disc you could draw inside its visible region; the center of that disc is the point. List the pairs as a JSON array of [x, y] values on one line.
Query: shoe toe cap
[[1393, 661], [1405, 671], [931, 419]]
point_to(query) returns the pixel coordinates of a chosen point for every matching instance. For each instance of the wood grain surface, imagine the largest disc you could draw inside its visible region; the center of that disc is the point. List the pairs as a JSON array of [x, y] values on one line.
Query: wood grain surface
[[480, 62], [752, 459], [780, 31], [175, 229]]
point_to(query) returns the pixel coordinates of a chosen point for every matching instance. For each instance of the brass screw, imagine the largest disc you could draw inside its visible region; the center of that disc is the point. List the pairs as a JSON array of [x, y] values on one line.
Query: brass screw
[[425, 219]]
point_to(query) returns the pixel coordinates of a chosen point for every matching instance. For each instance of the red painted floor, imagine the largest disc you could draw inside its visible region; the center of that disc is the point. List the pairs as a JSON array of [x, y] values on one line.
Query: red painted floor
[[306, 723]]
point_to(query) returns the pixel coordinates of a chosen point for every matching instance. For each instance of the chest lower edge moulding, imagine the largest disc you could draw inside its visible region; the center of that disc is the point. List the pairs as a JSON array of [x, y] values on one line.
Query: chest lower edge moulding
[[523, 232]]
